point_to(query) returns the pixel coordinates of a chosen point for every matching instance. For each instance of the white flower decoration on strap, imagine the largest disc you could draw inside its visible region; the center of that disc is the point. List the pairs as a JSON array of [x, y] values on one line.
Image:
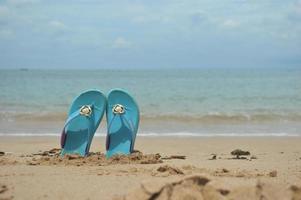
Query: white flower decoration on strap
[[118, 109], [85, 110]]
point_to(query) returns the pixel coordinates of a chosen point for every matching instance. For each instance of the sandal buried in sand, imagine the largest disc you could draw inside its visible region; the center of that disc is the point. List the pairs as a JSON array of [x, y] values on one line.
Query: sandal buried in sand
[[122, 123], [84, 118]]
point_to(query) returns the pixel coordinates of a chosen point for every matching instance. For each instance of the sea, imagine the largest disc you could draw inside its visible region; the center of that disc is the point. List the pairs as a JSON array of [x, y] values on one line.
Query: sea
[[172, 102]]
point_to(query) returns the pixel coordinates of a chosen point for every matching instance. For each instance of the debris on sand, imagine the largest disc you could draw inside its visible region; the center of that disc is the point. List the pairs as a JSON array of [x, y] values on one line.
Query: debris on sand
[[3, 188], [2, 153], [71, 157], [273, 173], [51, 152], [238, 153], [33, 163], [174, 157], [225, 170], [170, 170], [213, 157], [4, 195]]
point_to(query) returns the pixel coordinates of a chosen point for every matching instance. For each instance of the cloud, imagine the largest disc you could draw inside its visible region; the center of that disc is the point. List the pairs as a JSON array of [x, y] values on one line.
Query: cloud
[[229, 23], [198, 17], [121, 43], [295, 15], [181, 28], [6, 34], [4, 13], [144, 19], [11, 16], [57, 27], [20, 3], [298, 6]]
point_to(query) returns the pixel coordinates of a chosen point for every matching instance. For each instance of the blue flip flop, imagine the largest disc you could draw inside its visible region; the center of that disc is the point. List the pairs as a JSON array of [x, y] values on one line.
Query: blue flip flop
[[84, 118], [122, 123]]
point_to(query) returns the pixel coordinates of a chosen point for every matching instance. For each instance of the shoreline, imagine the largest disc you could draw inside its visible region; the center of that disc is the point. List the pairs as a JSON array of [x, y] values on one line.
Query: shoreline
[[159, 135]]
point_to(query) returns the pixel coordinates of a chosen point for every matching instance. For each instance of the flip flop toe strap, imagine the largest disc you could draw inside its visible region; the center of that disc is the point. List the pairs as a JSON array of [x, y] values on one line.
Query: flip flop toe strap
[[85, 111], [128, 123]]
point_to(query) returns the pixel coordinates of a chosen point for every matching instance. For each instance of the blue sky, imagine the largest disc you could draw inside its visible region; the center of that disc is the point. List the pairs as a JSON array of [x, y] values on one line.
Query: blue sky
[[150, 34]]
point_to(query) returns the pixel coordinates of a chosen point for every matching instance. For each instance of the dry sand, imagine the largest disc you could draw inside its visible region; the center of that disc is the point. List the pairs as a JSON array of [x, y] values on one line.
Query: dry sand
[[168, 168]]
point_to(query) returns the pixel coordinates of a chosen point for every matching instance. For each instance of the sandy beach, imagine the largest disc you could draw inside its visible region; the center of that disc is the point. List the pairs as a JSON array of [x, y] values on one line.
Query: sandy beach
[[203, 96], [198, 167]]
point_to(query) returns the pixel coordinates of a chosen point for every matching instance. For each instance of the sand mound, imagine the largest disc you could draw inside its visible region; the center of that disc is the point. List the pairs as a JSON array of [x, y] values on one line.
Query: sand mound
[[52, 157], [203, 188]]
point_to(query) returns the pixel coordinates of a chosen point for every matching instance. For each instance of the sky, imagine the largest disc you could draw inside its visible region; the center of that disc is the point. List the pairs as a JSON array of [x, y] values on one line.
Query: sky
[[150, 33]]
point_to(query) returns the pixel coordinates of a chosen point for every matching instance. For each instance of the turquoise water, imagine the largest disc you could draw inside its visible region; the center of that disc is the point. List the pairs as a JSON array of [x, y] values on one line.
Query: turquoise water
[[178, 101]]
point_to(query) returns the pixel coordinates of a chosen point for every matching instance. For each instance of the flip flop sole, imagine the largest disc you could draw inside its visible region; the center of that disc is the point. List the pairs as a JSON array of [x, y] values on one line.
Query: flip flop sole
[[122, 128], [79, 133]]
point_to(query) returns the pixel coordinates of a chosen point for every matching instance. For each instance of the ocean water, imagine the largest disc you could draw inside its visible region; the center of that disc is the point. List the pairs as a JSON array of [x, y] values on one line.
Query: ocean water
[[183, 102]]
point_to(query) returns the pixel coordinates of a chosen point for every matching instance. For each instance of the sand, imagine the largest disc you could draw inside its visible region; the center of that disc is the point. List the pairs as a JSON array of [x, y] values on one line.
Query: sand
[[163, 168]]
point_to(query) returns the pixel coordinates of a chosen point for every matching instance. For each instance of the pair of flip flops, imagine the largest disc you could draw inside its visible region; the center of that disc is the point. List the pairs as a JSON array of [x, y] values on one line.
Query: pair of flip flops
[[85, 115]]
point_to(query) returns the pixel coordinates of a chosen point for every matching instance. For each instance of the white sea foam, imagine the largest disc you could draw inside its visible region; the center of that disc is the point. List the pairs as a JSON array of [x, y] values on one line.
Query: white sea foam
[[166, 134]]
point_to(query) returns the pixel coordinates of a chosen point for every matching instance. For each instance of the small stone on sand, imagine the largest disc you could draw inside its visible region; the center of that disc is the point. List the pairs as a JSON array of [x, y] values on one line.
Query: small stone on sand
[[273, 173], [239, 152], [213, 157], [225, 170]]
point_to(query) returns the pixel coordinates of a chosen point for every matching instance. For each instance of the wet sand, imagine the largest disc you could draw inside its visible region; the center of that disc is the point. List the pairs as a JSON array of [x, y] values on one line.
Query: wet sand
[[165, 167]]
